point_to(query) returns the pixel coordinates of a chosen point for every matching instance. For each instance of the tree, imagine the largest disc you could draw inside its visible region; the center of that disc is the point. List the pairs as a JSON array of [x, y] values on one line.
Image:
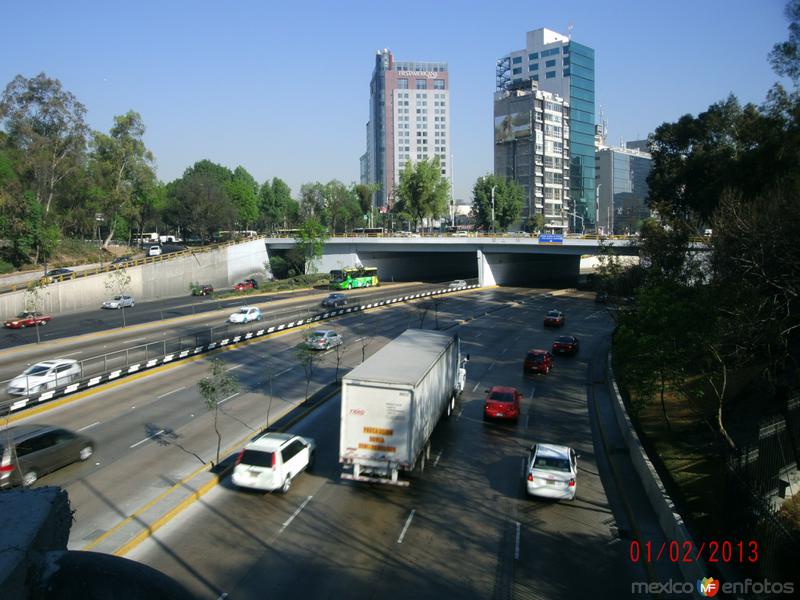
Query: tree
[[422, 192], [274, 204], [310, 240], [198, 202], [365, 192], [244, 193], [508, 199], [215, 389], [785, 56], [46, 125], [312, 201], [306, 357], [117, 282], [341, 205], [123, 169], [34, 297]]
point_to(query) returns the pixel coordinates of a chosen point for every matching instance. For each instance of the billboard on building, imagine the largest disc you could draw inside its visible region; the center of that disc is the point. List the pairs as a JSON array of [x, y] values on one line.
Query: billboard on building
[[512, 126]]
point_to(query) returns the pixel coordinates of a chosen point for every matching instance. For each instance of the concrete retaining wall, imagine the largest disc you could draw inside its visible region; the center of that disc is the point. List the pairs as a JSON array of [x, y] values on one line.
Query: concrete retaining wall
[[670, 520], [166, 279]]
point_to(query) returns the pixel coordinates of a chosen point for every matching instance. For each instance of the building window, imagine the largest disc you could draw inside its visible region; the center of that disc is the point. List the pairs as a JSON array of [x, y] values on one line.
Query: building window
[[534, 67], [421, 84], [402, 84], [550, 74], [535, 78], [516, 60], [566, 61], [566, 72], [533, 55], [516, 71], [550, 63], [438, 84]]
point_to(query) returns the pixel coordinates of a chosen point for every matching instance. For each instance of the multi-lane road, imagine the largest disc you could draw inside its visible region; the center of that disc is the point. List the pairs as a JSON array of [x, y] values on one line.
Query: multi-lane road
[[464, 529]]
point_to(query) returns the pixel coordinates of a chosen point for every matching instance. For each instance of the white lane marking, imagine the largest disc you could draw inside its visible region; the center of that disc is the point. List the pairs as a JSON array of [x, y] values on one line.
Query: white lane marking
[[228, 398], [89, 426], [294, 514], [70, 354], [461, 412], [223, 596], [504, 351], [284, 371], [234, 367], [527, 420], [479, 334], [406, 526], [172, 392], [476, 386], [438, 456], [137, 340], [516, 544], [159, 432], [491, 366]]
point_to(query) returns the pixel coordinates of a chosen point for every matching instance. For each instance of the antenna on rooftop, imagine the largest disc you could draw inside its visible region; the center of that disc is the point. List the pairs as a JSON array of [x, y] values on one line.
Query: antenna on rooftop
[[570, 26]]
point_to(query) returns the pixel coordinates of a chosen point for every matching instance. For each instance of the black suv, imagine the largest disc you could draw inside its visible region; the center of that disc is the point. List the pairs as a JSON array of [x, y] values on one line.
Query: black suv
[[30, 451]]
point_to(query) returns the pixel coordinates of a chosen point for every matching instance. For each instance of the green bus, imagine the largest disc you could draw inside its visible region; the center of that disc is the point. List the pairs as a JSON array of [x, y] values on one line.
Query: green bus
[[346, 279]]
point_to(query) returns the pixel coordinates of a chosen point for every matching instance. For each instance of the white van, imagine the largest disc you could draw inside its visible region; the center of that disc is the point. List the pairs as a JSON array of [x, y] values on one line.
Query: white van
[[272, 460]]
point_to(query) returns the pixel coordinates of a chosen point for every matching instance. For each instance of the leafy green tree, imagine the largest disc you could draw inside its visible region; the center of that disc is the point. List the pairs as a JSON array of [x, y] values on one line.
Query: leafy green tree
[[365, 193], [310, 240], [274, 203], [123, 167], [785, 56], [118, 283], [312, 201], [508, 199], [243, 191], [198, 203], [422, 192], [46, 126], [219, 385], [341, 205]]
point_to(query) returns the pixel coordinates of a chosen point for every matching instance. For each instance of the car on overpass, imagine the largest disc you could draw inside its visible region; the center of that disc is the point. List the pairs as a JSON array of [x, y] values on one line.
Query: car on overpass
[[245, 314], [554, 318], [154, 251], [120, 301], [57, 275], [27, 318], [272, 460], [552, 472], [30, 451], [458, 283], [44, 375]]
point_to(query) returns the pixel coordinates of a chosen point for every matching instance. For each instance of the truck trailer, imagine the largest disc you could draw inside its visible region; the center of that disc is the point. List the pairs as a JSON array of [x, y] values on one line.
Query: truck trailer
[[392, 402]]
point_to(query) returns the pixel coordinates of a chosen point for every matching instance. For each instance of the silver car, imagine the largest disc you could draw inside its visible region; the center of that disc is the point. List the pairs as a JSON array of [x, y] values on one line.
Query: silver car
[[323, 339], [45, 375], [117, 302]]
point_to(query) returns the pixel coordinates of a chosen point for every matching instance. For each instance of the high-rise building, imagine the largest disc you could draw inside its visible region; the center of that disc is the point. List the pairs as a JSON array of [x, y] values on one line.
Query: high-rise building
[[562, 66], [622, 190], [409, 120], [531, 138]]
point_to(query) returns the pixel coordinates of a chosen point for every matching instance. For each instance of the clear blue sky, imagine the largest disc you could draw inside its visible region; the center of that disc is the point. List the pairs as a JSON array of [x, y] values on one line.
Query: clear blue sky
[[282, 88]]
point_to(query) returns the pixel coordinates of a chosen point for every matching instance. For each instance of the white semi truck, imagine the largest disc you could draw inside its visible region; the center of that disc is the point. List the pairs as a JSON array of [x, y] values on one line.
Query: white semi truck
[[392, 402]]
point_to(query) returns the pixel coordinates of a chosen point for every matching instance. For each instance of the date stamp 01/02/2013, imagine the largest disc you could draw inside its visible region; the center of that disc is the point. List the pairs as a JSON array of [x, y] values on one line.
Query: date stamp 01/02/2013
[[715, 551]]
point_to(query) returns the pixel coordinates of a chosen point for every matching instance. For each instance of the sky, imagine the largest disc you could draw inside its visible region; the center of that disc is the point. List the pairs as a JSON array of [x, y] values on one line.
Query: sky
[[282, 88]]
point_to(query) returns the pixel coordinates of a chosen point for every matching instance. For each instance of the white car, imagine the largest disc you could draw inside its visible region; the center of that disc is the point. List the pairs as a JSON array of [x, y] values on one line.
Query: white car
[[458, 283], [272, 460], [245, 315], [45, 375], [123, 301], [324, 340], [552, 472], [154, 251]]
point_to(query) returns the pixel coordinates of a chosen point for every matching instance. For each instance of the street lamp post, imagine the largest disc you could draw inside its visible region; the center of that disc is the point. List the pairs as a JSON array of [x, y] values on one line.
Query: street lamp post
[[494, 229], [574, 216], [597, 210]]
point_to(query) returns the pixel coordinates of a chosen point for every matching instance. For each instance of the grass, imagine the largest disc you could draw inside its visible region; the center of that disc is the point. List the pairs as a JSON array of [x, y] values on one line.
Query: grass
[[71, 252], [292, 283]]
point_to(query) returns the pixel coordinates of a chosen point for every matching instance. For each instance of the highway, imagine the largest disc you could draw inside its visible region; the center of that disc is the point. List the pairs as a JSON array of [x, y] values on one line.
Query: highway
[[463, 530], [85, 336]]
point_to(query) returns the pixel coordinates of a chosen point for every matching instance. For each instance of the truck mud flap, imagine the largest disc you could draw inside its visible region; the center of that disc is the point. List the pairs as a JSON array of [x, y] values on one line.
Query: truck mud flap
[[382, 480]]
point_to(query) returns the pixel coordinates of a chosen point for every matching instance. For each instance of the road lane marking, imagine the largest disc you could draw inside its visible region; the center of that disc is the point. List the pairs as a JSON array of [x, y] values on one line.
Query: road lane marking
[[172, 392], [516, 544], [70, 354], [159, 432], [228, 398], [284, 371], [476, 386], [234, 367], [527, 420], [504, 350], [438, 456], [136, 340], [406, 526], [461, 412], [294, 514], [89, 426]]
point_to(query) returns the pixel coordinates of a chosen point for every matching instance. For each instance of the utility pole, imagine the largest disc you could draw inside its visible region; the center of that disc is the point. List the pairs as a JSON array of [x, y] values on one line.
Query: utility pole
[[494, 229]]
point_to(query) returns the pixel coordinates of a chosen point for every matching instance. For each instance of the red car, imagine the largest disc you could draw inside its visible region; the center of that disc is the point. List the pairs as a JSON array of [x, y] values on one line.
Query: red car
[[566, 344], [554, 318], [247, 284], [27, 319], [502, 403], [538, 361]]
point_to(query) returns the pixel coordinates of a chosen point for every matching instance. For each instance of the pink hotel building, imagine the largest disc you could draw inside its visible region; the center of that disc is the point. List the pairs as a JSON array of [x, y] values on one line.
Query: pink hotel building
[[409, 120]]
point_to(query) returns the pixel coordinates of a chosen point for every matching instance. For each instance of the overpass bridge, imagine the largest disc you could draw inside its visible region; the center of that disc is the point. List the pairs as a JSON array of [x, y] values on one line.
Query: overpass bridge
[[494, 260]]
